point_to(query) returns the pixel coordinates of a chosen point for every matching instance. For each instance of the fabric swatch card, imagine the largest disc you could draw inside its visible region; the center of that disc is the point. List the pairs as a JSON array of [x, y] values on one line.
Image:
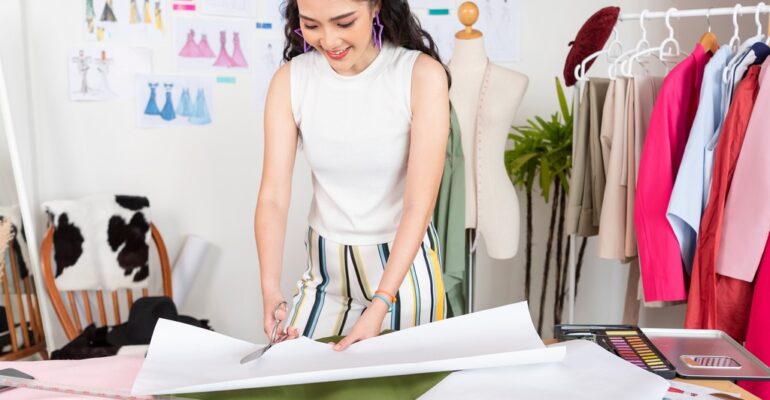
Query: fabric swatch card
[[213, 44], [173, 100], [124, 21], [100, 72]]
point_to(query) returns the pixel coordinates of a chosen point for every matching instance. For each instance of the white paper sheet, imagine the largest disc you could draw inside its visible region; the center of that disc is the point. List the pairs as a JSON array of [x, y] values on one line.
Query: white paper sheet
[[184, 359], [268, 56], [269, 11], [499, 22], [433, 4], [98, 72], [442, 29], [588, 372], [229, 8]]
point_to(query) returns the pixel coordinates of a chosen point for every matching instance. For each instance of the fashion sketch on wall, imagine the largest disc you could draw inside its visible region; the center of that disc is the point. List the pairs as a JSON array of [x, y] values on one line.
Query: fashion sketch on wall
[[213, 44], [163, 101], [125, 21], [99, 73]]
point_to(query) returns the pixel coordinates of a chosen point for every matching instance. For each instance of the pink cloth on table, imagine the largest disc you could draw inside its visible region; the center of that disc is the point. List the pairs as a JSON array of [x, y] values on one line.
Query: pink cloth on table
[[667, 133], [747, 210], [114, 373], [759, 324]]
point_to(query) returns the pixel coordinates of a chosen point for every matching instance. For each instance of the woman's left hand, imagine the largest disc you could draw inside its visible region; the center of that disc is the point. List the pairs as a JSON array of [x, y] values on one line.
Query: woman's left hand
[[369, 325]]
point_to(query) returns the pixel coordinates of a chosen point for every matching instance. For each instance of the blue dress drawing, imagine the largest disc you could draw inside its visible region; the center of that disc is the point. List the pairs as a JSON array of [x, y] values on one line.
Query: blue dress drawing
[[152, 105], [185, 108], [168, 113], [201, 115]]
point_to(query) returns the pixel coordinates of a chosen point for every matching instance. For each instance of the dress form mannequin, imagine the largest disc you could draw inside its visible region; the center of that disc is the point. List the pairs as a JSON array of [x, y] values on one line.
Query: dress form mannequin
[[485, 113]]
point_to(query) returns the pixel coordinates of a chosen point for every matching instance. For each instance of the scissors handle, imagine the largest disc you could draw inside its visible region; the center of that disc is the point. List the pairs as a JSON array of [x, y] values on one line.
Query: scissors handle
[[277, 321]]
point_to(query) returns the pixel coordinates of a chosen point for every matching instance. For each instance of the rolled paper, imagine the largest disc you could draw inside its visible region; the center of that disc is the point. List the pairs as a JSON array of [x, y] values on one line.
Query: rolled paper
[[187, 266]]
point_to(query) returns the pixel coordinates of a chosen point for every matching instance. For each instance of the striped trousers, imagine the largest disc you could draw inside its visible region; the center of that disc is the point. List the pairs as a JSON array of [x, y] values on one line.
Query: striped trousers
[[340, 281]]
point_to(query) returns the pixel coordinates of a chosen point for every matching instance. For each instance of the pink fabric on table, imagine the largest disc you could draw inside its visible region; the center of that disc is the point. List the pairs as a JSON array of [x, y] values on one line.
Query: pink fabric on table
[[114, 373], [747, 210], [759, 324], [667, 133]]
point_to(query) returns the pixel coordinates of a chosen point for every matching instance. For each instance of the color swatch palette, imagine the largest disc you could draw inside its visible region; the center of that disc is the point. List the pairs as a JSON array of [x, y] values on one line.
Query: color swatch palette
[[626, 341]]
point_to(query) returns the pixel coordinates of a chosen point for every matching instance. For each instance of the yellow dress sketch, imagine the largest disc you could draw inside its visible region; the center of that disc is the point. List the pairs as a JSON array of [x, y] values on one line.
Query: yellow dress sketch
[[90, 14], [147, 15], [134, 18], [99, 33], [158, 20]]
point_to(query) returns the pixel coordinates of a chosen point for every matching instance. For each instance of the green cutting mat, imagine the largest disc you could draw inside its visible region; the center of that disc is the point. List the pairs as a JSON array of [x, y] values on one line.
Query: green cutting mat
[[384, 388]]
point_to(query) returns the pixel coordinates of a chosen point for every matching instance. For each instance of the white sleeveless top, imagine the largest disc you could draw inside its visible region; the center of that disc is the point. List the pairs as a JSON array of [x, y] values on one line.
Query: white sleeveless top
[[355, 135]]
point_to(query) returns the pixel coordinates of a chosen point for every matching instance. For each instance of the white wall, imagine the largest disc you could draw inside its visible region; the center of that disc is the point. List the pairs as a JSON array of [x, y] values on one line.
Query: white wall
[[204, 180]]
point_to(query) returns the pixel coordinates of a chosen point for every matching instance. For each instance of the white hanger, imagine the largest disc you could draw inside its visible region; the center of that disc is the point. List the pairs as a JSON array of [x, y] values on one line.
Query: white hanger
[[665, 55], [735, 41], [580, 70], [735, 44], [708, 18], [760, 6], [641, 45], [669, 54]]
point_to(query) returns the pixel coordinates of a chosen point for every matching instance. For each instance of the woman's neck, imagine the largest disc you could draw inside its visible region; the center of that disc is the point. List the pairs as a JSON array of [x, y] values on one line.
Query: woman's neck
[[365, 61], [468, 54]]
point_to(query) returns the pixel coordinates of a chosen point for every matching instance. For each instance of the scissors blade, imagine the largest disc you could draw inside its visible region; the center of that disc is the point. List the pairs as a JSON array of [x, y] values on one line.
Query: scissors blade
[[255, 354]]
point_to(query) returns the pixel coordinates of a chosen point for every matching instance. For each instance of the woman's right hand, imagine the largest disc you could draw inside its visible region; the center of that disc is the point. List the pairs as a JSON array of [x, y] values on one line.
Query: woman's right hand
[[270, 301]]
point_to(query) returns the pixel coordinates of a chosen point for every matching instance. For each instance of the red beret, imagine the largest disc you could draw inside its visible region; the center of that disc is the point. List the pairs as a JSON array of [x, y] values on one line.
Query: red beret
[[590, 38]]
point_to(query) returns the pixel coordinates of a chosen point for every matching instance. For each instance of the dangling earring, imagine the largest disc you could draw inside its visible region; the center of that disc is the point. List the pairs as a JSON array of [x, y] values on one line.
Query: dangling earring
[[305, 46], [377, 29]]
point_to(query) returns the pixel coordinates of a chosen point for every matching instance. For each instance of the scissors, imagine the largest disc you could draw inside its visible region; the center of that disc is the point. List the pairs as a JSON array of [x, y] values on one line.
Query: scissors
[[273, 336]]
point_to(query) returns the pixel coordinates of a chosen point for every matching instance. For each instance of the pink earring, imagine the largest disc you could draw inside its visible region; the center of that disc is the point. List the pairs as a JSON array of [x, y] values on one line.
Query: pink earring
[[377, 29], [305, 46]]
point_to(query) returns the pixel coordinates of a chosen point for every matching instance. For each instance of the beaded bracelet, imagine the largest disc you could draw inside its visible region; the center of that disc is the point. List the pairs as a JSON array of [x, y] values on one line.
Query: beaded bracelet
[[386, 297], [385, 300]]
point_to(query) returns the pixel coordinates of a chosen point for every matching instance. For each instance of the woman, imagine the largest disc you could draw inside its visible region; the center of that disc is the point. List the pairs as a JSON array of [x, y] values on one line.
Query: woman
[[368, 100]]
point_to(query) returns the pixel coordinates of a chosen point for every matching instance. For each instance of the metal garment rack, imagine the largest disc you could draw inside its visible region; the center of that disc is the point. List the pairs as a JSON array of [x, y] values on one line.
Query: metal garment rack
[[671, 13]]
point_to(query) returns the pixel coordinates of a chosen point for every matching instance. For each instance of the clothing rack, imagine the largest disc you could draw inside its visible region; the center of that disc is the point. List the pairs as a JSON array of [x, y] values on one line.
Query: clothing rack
[[671, 13], [700, 12]]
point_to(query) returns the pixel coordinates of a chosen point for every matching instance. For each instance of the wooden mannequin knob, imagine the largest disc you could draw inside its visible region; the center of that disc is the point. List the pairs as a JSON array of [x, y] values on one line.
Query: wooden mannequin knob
[[468, 13]]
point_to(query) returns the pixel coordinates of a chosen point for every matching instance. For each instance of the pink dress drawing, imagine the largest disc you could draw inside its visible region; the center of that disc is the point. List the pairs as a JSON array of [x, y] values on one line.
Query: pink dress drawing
[[203, 47], [237, 59], [190, 49], [223, 60]]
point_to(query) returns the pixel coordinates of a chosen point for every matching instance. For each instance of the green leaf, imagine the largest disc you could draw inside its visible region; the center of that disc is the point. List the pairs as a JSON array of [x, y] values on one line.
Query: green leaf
[[546, 179], [565, 109]]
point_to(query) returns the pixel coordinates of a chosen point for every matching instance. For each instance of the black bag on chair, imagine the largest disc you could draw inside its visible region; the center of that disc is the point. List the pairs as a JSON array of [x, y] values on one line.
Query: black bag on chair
[[144, 314]]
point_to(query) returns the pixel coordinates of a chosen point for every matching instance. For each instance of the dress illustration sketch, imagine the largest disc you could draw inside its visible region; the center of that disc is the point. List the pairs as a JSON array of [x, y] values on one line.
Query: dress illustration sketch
[[82, 61]]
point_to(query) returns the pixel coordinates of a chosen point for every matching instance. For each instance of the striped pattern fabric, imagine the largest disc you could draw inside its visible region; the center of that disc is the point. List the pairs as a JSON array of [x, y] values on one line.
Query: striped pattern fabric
[[340, 281]]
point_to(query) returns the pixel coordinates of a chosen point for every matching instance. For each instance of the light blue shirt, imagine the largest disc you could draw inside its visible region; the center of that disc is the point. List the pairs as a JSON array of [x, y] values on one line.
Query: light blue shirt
[[691, 187]]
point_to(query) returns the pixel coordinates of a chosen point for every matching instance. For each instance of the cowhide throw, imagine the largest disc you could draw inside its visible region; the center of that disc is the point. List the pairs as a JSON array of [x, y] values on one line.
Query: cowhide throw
[[100, 242], [18, 245]]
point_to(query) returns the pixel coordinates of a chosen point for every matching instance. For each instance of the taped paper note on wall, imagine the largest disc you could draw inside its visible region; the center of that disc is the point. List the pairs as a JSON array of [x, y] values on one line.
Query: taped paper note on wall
[[503, 336]]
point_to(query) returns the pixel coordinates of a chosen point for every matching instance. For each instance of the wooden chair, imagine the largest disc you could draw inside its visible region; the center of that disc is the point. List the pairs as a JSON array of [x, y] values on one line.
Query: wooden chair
[[29, 338], [70, 320]]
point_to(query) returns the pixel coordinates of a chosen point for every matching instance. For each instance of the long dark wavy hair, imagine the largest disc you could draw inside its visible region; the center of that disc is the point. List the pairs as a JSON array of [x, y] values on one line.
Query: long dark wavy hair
[[402, 29]]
